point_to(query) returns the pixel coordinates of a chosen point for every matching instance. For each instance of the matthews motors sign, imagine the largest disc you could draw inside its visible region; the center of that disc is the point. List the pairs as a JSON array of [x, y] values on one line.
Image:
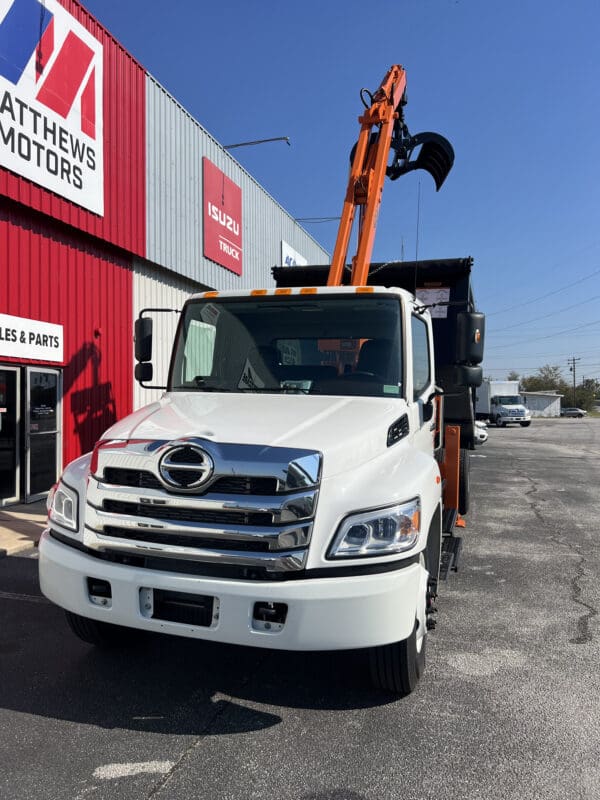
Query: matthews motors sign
[[51, 101]]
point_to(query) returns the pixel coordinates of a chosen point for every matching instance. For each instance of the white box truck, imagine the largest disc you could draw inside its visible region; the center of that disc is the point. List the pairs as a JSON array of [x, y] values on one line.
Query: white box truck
[[500, 402]]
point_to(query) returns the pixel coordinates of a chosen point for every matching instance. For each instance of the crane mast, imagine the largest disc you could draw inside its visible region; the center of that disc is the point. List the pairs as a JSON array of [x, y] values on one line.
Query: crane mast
[[369, 168]]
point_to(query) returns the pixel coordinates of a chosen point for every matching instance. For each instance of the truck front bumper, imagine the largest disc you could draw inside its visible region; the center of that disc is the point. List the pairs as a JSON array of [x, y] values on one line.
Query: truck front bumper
[[322, 613]]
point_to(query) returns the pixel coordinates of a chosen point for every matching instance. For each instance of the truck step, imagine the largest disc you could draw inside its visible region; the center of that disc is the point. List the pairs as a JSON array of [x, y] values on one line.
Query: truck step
[[449, 520], [451, 547]]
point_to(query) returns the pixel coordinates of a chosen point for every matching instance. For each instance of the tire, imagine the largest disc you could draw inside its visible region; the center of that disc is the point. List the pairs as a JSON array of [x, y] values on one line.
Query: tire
[[398, 667], [464, 482], [525, 424], [100, 634], [498, 422]]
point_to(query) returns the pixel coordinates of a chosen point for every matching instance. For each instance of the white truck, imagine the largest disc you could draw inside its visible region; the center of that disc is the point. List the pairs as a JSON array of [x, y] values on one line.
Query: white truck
[[297, 485], [500, 402]]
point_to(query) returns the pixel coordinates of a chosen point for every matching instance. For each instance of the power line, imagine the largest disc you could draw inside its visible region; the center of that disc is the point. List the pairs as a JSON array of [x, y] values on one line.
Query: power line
[[543, 296], [552, 335], [545, 316]]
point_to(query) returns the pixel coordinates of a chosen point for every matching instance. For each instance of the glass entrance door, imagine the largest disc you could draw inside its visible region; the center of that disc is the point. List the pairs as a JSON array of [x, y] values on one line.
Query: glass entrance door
[[10, 413], [42, 429]]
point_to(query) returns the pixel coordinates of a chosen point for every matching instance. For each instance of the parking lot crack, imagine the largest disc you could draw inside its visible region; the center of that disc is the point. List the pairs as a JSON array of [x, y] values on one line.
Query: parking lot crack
[[584, 633], [221, 708], [583, 623]]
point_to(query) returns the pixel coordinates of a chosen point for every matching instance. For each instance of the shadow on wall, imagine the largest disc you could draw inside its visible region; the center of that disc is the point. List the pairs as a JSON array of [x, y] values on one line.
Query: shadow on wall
[[93, 408]]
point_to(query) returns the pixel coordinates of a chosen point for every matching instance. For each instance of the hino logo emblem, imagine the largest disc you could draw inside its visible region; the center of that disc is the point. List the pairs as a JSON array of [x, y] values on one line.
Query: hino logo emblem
[[185, 467]]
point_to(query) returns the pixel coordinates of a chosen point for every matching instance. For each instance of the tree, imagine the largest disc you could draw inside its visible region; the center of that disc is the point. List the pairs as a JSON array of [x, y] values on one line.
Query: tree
[[547, 379], [513, 376], [585, 393]]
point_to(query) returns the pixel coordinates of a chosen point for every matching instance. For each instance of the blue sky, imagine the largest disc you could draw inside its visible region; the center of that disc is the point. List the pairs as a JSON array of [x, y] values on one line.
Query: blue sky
[[514, 85]]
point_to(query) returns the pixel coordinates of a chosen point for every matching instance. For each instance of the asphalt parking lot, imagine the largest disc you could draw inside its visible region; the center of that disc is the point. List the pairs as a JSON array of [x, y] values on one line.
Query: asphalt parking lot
[[509, 706]]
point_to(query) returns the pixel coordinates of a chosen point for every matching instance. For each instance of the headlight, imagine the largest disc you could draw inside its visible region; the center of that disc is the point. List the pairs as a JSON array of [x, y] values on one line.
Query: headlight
[[378, 532], [64, 507]]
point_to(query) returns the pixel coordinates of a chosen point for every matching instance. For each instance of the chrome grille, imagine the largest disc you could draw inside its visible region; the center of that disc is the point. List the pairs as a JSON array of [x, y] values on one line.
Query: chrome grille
[[256, 509], [187, 514], [227, 484]]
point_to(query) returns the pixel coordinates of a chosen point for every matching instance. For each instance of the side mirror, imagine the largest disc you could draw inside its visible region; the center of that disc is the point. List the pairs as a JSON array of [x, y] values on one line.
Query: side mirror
[[470, 334], [143, 339], [467, 375], [429, 404], [144, 372]]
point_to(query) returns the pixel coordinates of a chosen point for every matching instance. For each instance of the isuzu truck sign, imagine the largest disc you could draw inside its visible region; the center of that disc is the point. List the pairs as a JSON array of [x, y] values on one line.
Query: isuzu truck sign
[[51, 101], [222, 218]]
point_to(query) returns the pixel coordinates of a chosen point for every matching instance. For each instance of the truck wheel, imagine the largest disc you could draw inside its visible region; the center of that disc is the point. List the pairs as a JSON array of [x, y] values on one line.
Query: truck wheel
[[397, 667], [499, 422], [100, 634], [464, 482], [525, 424]]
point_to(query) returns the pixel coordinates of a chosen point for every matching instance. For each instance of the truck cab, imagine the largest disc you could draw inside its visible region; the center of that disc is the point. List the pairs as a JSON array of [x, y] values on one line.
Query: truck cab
[[283, 493]]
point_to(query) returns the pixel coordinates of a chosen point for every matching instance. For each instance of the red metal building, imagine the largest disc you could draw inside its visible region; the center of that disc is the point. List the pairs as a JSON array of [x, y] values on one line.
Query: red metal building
[[101, 211]]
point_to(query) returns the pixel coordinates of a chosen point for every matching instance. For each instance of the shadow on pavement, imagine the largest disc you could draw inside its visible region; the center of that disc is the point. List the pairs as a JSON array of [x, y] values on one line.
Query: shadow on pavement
[[161, 684]]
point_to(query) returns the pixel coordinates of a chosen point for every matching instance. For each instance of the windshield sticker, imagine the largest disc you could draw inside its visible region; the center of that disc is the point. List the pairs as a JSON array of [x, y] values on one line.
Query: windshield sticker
[[389, 388], [250, 378], [210, 313]]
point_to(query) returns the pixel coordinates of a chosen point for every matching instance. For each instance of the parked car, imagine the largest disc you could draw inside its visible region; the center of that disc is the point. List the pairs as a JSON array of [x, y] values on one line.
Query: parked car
[[481, 434], [572, 412]]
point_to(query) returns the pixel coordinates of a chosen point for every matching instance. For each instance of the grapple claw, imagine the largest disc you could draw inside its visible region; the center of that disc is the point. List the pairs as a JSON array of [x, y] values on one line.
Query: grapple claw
[[436, 157]]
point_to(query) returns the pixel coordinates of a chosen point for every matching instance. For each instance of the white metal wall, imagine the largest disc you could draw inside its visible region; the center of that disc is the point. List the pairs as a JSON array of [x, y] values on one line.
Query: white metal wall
[[542, 405], [175, 146], [157, 288]]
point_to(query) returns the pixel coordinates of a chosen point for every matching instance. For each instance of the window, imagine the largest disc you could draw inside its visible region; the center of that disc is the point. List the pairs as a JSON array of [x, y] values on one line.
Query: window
[[341, 344], [421, 357]]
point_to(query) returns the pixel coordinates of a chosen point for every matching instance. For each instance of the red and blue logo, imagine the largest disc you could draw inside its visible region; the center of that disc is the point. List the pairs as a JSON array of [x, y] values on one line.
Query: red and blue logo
[[51, 100]]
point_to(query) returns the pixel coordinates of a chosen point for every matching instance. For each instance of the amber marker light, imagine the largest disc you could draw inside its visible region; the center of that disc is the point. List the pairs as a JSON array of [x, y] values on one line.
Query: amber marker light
[[308, 290], [364, 290], [211, 294], [259, 292], [283, 291]]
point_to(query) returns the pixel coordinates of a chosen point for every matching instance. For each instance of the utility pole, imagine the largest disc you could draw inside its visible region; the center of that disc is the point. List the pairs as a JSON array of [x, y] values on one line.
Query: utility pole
[[572, 361]]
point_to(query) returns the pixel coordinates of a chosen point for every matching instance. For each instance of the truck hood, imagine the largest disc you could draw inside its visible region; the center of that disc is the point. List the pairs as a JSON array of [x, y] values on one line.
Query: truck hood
[[347, 430]]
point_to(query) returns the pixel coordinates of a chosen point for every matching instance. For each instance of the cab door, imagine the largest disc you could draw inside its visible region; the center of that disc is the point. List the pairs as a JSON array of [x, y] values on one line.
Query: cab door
[[423, 407]]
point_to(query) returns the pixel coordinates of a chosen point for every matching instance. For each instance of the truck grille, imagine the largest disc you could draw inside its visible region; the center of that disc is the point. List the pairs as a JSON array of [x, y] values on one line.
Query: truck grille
[[227, 484], [254, 507], [183, 541], [187, 514]]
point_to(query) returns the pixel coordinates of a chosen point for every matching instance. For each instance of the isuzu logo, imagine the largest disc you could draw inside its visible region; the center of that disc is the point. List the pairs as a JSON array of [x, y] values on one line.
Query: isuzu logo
[[185, 467], [222, 220]]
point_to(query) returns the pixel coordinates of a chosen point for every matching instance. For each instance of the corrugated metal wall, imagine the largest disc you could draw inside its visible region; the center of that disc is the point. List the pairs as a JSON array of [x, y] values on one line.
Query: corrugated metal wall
[[156, 288], [175, 145], [124, 119], [53, 274]]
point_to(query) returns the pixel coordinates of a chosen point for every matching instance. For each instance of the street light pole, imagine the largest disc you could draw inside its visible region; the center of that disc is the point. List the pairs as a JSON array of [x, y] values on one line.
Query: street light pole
[[258, 141]]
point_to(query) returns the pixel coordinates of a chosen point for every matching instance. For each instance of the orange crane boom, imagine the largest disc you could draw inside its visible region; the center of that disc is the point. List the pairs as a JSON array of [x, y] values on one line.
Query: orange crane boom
[[369, 168]]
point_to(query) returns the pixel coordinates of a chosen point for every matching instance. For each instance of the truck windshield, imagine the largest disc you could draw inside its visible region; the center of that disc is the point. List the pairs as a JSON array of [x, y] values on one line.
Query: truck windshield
[[509, 400], [340, 345]]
